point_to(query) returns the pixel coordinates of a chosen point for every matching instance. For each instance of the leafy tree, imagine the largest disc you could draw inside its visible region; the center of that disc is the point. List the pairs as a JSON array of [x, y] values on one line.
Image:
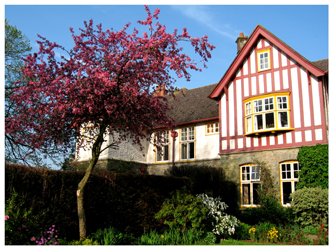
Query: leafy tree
[[17, 46], [106, 82]]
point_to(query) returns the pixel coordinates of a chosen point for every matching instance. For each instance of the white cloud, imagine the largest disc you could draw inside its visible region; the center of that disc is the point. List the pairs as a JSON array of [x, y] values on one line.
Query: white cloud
[[202, 15]]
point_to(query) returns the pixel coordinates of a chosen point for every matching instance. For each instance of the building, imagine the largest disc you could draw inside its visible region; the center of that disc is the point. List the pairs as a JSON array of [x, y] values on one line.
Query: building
[[270, 102]]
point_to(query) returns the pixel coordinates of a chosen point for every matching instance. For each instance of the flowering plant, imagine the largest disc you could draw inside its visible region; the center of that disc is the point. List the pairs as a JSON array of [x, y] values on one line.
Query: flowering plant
[[252, 233], [222, 223], [48, 238], [19, 223]]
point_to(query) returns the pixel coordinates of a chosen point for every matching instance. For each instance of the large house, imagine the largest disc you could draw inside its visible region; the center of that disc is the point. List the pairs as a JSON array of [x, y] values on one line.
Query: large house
[[269, 103]]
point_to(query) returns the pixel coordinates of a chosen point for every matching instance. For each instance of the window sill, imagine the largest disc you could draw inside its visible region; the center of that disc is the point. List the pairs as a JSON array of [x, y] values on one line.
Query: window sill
[[269, 131]]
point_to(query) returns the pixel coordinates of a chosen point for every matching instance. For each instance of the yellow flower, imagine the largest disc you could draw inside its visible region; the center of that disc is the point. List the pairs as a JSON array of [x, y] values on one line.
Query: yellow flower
[[162, 236]]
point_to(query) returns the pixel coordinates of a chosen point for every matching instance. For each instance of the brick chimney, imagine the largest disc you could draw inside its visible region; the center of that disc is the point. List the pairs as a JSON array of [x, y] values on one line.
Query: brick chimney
[[241, 41], [159, 92]]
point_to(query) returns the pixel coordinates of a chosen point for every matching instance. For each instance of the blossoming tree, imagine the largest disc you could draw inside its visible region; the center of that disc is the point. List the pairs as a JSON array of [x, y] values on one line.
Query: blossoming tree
[[107, 81]]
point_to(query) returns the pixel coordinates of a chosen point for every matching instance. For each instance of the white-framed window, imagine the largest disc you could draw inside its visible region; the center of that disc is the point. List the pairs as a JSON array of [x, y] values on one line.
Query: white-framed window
[[162, 153], [90, 132], [270, 112], [263, 59], [212, 128], [187, 143], [289, 176], [250, 184]]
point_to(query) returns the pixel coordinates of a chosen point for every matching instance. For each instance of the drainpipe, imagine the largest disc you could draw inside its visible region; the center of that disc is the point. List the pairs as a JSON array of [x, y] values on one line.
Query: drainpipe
[[174, 134]]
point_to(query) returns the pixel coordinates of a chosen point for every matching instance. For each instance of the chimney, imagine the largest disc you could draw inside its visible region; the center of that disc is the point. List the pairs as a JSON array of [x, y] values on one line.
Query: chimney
[[241, 41], [159, 92]]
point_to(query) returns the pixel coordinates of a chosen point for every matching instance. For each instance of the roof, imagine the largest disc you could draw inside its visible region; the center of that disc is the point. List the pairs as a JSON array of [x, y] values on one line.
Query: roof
[[321, 64], [260, 31], [194, 105]]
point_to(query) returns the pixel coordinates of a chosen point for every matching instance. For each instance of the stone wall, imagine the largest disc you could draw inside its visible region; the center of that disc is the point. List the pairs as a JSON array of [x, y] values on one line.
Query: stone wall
[[231, 162]]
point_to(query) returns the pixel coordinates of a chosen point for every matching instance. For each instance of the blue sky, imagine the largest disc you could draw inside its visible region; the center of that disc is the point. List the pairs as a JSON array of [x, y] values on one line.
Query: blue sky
[[303, 27]]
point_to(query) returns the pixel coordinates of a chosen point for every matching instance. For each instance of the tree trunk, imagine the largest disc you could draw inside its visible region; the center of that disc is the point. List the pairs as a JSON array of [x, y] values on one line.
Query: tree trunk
[[95, 151]]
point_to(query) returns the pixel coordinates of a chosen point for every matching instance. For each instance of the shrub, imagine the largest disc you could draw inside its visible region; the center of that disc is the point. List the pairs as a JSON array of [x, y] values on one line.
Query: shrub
[[242, 231], [310, 205], [223, 224], [210, 179], [182, 210], [313, 162]]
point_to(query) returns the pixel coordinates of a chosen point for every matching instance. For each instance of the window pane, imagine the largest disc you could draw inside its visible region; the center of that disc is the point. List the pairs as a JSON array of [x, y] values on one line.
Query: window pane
[[166, 153], [283, 119], [255, 193], [191, 150], [258, 122], [282, 102], [269, 104], [248, 108], [249, 124], [184, 151], [246, 194], [158, 155], [191, 133], [246, 173], [257, 106], [255, 173], [166, 137], [296, 170], [286, 171], [216, 127], [269, 120], [184, 134], [286, 191], [209, 127]]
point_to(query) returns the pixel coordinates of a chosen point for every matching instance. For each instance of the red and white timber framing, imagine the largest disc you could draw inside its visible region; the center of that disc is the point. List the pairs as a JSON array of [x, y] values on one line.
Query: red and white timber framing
[[287, 74]]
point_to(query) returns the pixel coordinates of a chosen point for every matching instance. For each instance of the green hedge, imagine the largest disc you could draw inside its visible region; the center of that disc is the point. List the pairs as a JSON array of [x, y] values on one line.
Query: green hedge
[[127, 202], [313, 161]]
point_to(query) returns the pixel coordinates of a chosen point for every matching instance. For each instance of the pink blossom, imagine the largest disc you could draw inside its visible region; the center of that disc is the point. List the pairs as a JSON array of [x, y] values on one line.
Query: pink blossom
[[6, 217]]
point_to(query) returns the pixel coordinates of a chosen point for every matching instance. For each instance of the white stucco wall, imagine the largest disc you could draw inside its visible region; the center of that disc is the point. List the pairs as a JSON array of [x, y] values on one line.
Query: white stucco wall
[[127, 151], [206, 146]]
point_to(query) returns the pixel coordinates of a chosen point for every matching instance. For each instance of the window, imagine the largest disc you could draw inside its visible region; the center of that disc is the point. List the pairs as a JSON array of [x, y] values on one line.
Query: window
[[212, 128], [90, 132], [162, 153], [289, 172], [187, 143], [250, 183], [270, 113], [263, 59]]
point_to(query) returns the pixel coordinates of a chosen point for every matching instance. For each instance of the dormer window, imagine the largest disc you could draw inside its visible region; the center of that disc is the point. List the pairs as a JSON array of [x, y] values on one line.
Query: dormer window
[[263, 57], [269, 113]]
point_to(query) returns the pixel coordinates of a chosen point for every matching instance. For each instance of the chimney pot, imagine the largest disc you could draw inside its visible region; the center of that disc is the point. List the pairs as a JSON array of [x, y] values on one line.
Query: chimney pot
[[241, 34]]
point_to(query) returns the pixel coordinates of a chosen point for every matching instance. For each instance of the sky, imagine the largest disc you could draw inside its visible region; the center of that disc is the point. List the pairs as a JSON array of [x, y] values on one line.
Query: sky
[[302, 27]]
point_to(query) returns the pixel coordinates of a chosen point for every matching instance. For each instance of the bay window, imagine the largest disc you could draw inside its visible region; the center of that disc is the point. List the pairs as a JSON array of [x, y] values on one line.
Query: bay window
[[270, 113]]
